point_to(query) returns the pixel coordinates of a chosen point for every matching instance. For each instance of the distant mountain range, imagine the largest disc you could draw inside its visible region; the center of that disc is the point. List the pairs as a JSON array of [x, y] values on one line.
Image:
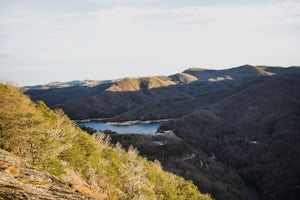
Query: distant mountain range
[[187, 76], [153, 97], [247, 117]]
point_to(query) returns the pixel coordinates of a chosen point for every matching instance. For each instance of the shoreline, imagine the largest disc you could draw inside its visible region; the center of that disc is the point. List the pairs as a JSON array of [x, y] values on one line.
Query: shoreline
[[91, 119], [123, 123]]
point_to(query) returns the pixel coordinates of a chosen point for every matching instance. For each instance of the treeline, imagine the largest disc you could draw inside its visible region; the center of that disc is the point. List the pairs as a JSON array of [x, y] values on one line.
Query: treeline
[[91, 165]]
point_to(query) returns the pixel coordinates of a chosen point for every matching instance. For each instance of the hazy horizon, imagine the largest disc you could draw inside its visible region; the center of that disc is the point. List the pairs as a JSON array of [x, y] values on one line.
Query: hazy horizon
[[47, 41], [129, 76]]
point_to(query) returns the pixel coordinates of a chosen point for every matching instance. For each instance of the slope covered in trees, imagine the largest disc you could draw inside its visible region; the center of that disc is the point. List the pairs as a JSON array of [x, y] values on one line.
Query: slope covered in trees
[[90, 165], [255, 132]]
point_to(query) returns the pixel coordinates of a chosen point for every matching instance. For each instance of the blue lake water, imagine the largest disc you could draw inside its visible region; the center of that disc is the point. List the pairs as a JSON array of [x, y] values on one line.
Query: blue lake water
[[138, 128]]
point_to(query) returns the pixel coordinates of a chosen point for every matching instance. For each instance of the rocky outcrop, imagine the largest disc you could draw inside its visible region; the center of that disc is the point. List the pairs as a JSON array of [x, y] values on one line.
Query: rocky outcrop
[[19, 180]]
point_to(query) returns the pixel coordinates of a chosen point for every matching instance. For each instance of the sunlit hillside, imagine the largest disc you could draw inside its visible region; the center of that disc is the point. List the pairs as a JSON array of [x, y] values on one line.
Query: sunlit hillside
[[89, 165]]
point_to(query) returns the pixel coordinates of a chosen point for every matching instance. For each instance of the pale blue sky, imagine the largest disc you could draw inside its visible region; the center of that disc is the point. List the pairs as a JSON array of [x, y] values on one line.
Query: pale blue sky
[[42, 41]]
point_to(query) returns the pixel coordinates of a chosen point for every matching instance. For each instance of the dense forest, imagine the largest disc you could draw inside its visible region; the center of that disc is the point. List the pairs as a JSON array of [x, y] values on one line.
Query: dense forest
[[242, 124], [90, 165]]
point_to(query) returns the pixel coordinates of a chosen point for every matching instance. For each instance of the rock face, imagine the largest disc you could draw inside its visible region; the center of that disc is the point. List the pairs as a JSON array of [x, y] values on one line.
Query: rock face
[[19, 180]]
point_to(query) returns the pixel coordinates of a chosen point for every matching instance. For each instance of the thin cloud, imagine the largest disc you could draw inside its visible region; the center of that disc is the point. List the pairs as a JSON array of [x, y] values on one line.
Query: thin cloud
[[71, 15], [11, 21], [286, 13], [4, 55]]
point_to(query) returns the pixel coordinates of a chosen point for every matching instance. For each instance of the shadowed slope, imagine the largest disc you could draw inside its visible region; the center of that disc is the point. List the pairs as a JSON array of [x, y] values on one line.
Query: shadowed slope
[[255, 131]]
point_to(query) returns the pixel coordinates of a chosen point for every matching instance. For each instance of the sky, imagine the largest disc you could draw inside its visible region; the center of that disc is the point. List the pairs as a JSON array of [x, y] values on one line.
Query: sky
[[43, 41]]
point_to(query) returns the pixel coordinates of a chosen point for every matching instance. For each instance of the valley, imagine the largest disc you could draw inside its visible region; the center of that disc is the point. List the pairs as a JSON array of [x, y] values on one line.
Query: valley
[[238, 123], [150, 100]]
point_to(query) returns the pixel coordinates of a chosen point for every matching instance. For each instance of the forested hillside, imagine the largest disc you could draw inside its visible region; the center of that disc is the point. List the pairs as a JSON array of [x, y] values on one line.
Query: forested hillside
[[255, 132], [89, 165]]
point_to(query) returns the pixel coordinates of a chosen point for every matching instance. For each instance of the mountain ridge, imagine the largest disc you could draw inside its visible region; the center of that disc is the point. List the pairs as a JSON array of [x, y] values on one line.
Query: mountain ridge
[[112, 98], [186, 73]]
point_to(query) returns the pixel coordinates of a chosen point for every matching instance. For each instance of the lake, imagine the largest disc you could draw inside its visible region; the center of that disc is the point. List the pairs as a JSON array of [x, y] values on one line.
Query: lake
[[136, 128]]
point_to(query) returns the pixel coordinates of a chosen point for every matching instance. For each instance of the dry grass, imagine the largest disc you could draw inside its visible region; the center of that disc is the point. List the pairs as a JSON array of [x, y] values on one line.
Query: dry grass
[[34, 182], [12, 169]]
